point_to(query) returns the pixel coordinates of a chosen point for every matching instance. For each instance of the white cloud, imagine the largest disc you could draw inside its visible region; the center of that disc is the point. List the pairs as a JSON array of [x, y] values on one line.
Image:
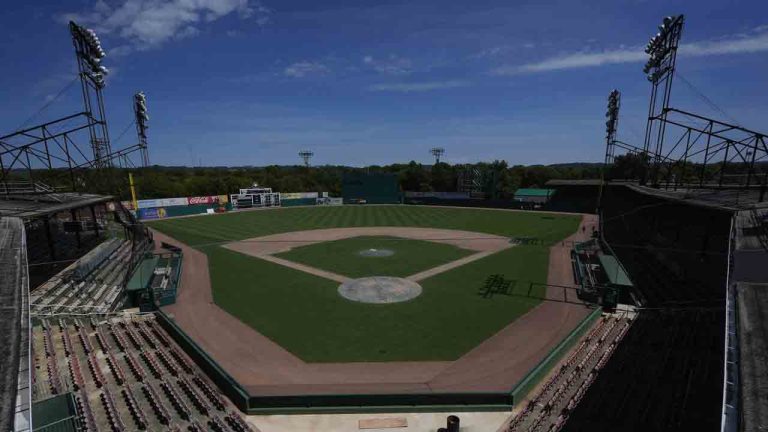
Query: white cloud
[[305, 68], [149, 23], [187, 32], [392, 65], [751, 43], [577, 60], [501, 50], [418, 86]]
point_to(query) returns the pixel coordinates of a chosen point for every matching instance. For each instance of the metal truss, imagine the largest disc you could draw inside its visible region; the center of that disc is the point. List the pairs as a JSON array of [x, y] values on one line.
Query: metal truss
[[685, 150], [56, 145], [75, 143]]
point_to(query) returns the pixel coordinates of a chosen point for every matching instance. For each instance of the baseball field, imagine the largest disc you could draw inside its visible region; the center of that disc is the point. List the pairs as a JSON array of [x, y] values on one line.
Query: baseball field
[[279, 271]]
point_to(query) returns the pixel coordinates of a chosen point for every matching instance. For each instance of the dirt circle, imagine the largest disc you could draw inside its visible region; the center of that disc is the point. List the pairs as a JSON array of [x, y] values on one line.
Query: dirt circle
[[376, 253], [380, 290]]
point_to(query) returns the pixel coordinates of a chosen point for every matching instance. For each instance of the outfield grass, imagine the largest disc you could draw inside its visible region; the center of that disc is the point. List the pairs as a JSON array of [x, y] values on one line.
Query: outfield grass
[[305, 314], [203, 230], [343, 256]]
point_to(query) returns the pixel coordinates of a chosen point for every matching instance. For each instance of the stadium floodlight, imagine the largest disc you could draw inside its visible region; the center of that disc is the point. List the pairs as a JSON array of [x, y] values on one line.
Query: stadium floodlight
[[140, 110], [611, 124], [140, 100], [306, 155], [90, 53], [662, 48], [437, 152]]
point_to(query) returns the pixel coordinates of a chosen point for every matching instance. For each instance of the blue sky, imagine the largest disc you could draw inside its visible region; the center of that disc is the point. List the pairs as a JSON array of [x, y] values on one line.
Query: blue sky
[[244, 82]]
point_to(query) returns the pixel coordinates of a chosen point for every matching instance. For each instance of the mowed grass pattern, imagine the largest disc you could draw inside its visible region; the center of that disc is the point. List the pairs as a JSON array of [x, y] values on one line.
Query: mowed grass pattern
[[305, 314], [343, 256], [204, 230]]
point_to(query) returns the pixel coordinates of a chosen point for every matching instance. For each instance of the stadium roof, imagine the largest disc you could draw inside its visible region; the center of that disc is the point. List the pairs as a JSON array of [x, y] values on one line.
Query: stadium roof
[[13, 292], [33, 206], [751, 229], [753, 327], [725, 198]]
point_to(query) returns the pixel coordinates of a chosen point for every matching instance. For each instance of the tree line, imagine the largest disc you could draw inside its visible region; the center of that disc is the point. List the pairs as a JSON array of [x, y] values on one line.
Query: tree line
[[497, 178]]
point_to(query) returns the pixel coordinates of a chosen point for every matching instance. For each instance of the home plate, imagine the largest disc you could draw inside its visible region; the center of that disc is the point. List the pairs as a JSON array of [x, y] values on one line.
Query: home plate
[[383, 423]]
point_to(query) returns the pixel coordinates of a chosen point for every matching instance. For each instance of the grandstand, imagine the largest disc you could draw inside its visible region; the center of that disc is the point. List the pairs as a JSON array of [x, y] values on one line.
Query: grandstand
[[670, 372], [93, 285], [60, 227], [123, 373], [549, 409]]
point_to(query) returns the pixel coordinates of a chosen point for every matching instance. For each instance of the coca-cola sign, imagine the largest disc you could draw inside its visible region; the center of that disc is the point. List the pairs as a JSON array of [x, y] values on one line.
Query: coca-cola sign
[[203, 200]]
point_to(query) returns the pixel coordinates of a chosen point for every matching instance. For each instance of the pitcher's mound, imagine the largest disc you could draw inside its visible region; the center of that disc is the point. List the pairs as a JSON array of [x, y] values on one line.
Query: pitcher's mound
[[376, 252], [380, 289]]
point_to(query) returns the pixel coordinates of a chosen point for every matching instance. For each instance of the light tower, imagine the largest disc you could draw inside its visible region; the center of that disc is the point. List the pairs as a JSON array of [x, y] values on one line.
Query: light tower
[[140, 110], [660, 69], [306, 155], [437, 152], [611, 124], [92, 74]]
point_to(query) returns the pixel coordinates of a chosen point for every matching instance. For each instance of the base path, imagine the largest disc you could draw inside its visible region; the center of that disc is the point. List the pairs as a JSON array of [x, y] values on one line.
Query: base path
[[265, 368], [305, 268], [267, 246]]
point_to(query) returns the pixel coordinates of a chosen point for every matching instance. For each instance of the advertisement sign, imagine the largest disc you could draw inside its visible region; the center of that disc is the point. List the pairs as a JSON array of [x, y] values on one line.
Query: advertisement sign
[[298, 195], [330, 201], [203, 200], [162, 202], [152, 213]]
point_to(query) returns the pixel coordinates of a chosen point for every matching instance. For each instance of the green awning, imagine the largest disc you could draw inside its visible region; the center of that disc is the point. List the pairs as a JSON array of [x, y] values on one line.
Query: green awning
[[534, 192], [614, 271]]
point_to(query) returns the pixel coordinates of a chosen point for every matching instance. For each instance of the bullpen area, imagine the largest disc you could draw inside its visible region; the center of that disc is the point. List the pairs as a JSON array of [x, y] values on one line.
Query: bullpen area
[[377, 305]]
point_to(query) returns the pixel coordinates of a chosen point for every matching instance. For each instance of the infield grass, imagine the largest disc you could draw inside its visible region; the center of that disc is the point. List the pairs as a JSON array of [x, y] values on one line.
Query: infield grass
[[305, 314], [343, 256]]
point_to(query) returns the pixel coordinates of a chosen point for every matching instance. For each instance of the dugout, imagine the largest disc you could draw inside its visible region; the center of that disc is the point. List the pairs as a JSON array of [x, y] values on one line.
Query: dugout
[[600, 276], [366, 188], [155, 281]]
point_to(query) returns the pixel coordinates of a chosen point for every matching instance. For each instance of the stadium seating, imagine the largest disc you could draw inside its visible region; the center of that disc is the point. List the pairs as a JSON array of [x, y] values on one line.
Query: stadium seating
[[136, 377], [667, 374], [549, 409], [98, 292]]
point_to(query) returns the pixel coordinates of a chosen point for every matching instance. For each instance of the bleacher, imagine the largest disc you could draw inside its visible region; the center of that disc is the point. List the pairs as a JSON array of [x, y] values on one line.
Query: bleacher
[[549, 409], [126, 374], [99, 290]]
